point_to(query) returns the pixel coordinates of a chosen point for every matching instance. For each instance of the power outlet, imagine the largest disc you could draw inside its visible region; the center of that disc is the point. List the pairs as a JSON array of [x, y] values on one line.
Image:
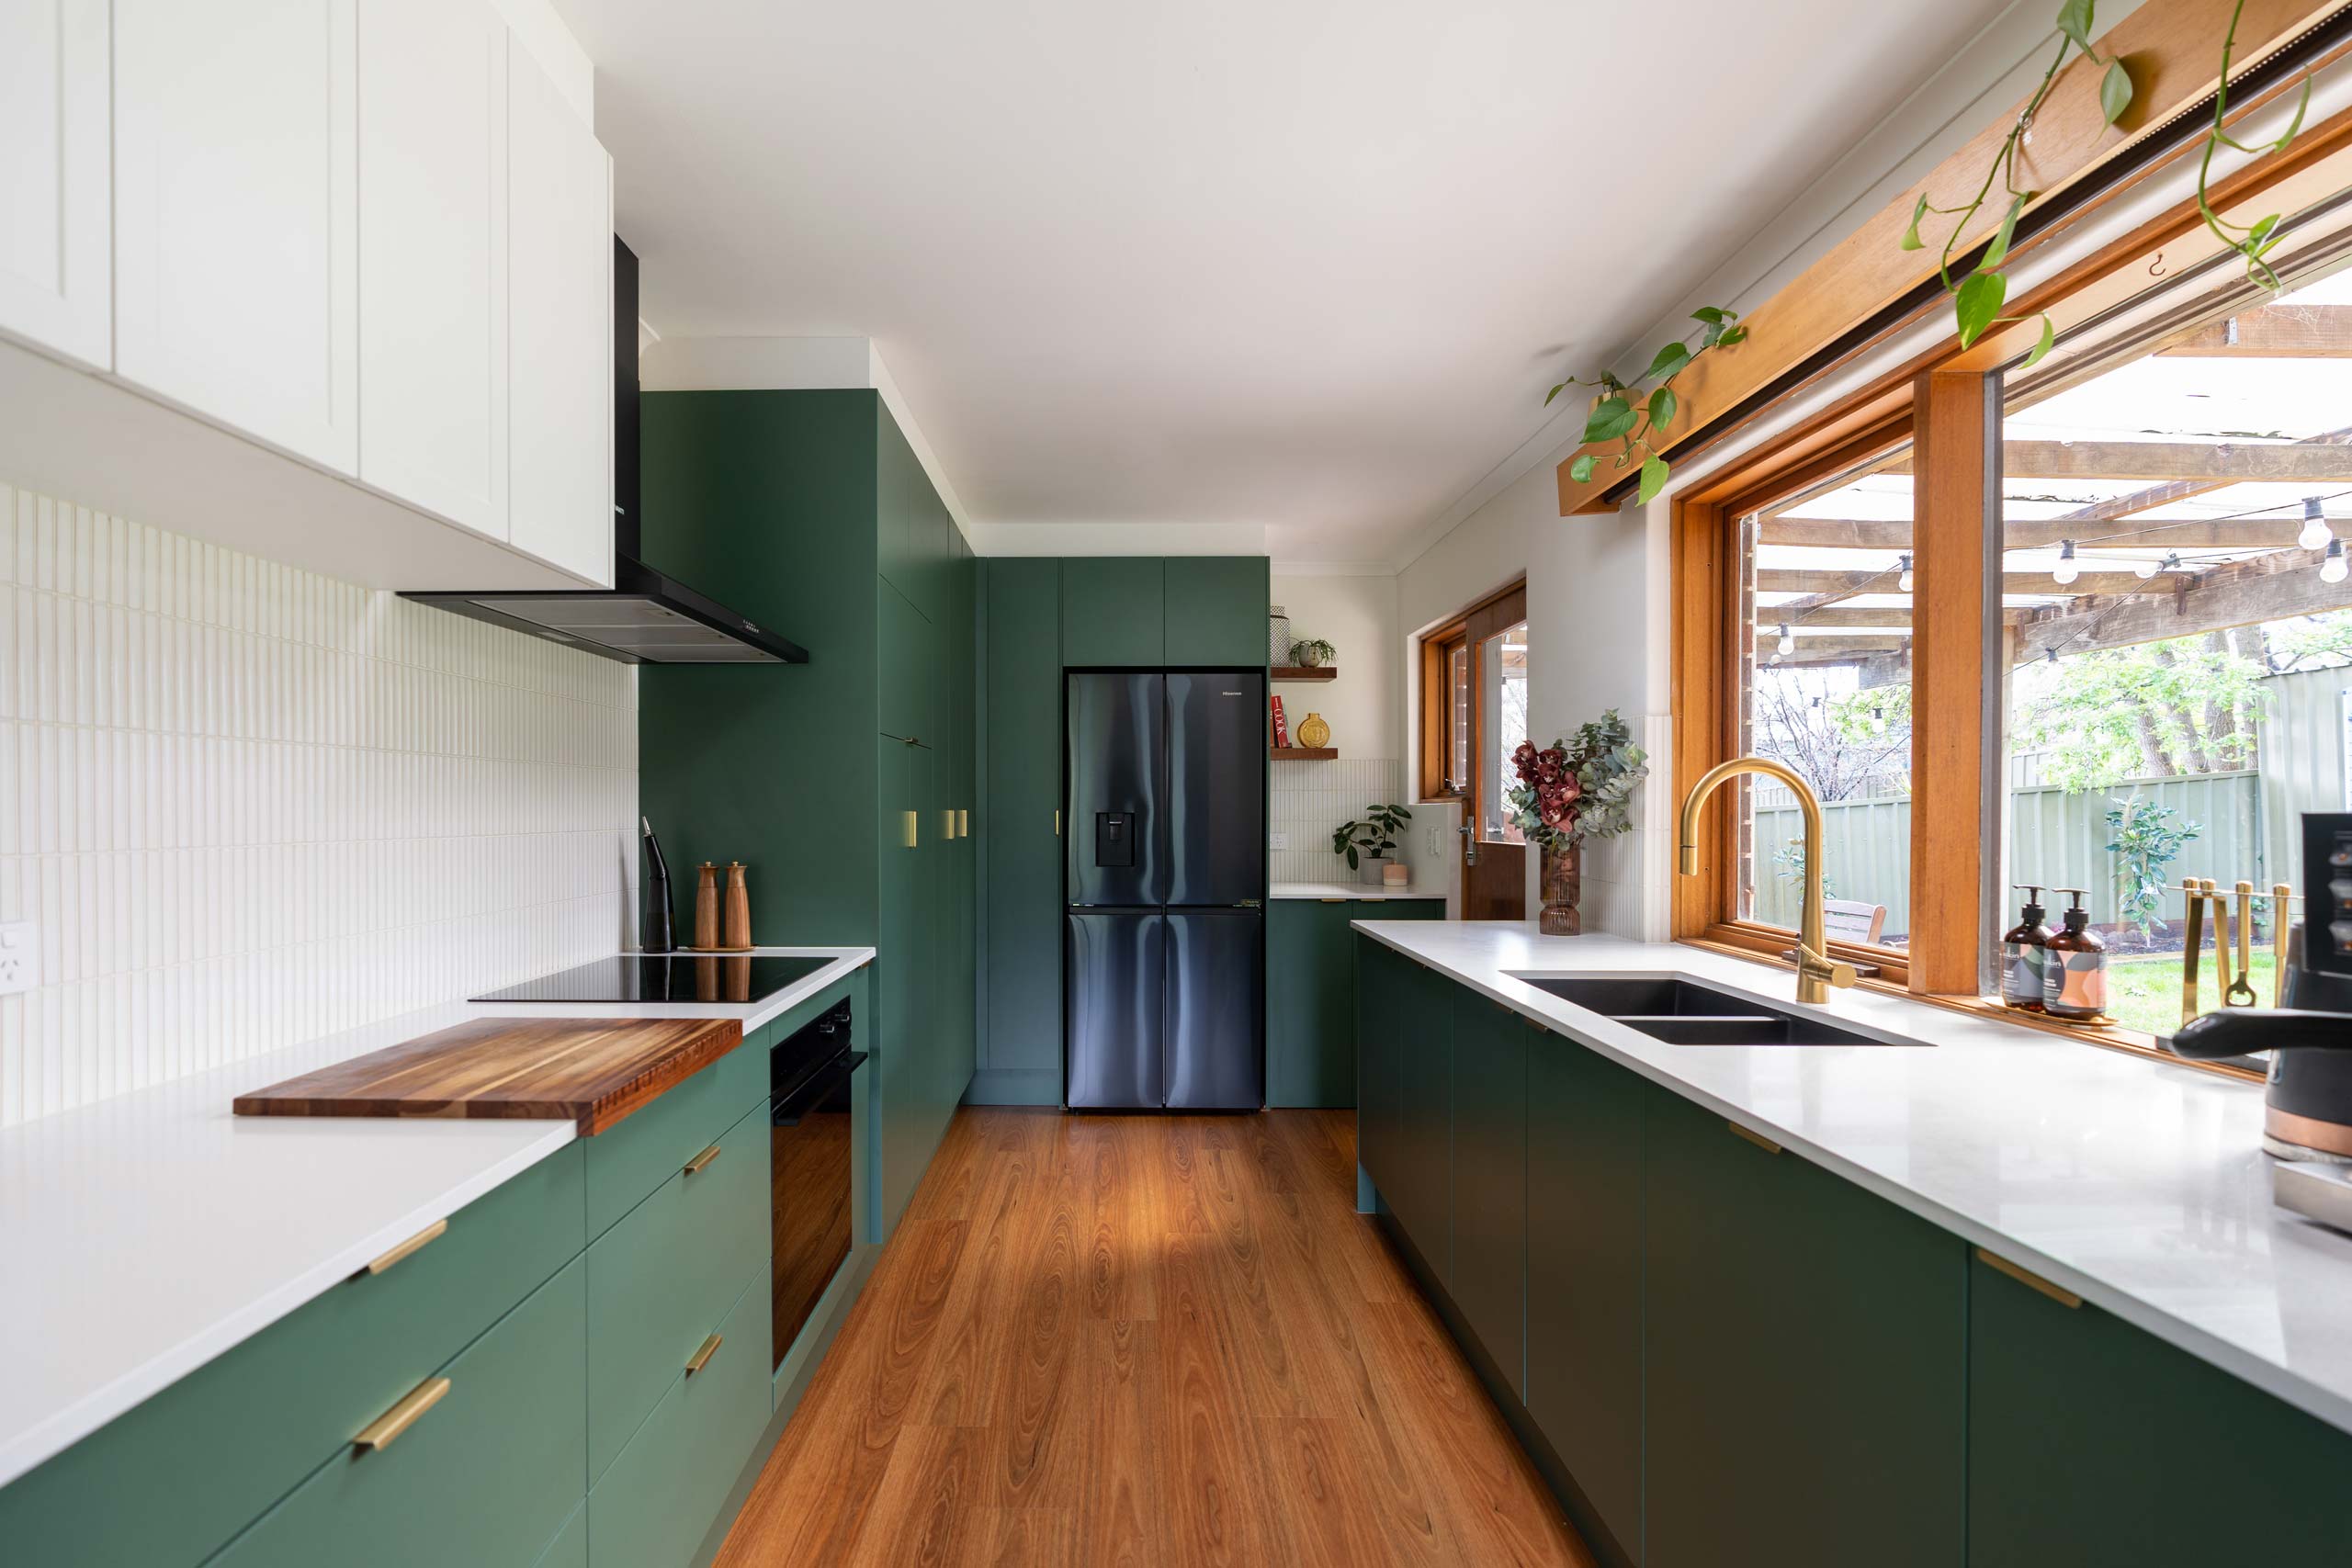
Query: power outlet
[[1278, 841], [1437, 843], [20, 957]]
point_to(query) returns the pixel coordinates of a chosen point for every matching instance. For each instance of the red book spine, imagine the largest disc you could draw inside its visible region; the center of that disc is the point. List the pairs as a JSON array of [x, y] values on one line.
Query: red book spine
[[1281, 727]]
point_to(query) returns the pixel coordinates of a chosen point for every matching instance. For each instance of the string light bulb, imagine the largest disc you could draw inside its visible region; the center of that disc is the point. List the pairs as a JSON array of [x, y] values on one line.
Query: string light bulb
[[2065, 571], [2145, 569], [2332, 570], [2315, 534], [1787, 644], [1908, 578]]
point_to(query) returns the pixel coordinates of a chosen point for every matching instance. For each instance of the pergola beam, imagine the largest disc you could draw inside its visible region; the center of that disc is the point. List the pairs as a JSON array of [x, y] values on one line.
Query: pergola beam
[[2271, 331], [2269, 588], [2249, 532], [1846, 584]]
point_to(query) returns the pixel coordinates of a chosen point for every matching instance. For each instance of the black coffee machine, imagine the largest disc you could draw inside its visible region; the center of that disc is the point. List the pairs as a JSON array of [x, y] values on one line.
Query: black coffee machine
[[2308, 1112]]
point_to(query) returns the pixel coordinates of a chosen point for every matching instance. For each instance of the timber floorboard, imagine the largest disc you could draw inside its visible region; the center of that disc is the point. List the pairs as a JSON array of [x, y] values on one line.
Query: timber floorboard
[[1128, 1341]]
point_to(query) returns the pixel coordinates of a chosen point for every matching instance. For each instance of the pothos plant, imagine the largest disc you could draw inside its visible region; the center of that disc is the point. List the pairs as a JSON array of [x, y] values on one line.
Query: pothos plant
[[1977, 296], [1577, 789], [1621, 414], [1376, 837]]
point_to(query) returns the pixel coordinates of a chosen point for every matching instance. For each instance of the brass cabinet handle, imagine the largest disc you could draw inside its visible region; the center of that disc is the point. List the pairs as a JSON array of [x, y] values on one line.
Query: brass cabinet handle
[[2059, 1293], [696, 1163], [1058, 822], [1759, 1139], [962, 822], [910, 827], [416, 1243], [379, 1433], [1331, 900], [703, 1353]]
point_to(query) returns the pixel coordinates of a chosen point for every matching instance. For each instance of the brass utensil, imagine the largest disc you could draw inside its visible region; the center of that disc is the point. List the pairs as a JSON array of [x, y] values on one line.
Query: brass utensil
[[2241, 991], [2221, 910], [2194, 899], [2280, 892]]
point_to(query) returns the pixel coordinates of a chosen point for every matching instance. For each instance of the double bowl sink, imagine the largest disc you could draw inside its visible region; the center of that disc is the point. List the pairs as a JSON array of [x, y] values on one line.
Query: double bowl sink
[[1683, 1012]]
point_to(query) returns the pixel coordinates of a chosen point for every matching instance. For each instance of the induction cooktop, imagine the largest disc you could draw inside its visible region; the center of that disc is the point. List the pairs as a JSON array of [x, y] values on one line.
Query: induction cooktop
[[673, 977]]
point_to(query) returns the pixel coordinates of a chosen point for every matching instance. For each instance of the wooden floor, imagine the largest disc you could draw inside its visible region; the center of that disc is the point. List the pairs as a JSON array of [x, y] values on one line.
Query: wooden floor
[[1143, 1340]]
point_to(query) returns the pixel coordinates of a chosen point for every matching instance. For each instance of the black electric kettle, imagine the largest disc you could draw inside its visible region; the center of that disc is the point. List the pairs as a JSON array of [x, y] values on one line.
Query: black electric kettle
[[2307, 1112]]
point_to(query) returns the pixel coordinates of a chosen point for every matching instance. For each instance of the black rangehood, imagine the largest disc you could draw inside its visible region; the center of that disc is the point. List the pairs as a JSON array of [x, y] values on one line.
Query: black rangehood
[[645, 618]]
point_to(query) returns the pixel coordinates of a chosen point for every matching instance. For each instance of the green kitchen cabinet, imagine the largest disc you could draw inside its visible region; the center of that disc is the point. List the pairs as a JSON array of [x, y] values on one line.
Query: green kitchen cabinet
[[487, 1473], [1420, 1191], [1311, 1044], [1112, 612], [1489, 1277], [812, 513], [1380, 981], [214, 1449], [1022, 1045], [1215, 610], [2095, 1444], [1584, 1277], [1804, 1361]]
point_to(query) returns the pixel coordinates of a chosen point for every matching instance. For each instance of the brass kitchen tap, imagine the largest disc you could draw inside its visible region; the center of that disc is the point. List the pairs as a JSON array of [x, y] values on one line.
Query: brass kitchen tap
[[1816, 972]]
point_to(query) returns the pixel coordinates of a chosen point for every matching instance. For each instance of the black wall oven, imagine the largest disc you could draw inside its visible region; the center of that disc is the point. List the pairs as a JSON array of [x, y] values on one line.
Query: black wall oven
[[810, 1154]]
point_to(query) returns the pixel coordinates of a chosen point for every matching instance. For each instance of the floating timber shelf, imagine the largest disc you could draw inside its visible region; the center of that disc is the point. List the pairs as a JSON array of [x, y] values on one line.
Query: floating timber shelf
[[1303, 753], [1305, 672]]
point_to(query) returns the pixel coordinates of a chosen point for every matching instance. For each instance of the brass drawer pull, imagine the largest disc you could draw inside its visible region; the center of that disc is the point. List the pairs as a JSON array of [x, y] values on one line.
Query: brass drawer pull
[[2059, 1293], [414, 1244], [909, 829], [962, 822], [701, 1160], [701, 1358], [1759, 1139], [379, 1433]]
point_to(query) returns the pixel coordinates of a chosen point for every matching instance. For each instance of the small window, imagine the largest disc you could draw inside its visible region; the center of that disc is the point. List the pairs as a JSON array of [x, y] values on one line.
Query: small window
[[1502, 725], [1474, 707]]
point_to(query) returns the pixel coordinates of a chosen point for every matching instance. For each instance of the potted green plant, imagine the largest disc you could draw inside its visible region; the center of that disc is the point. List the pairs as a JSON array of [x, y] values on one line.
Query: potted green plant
[[1311, 654], [1369, 844]]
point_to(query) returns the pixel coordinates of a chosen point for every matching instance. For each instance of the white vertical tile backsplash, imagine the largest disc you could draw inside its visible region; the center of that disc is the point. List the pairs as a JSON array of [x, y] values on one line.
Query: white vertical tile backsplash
[[1312, 798], [247, 805]]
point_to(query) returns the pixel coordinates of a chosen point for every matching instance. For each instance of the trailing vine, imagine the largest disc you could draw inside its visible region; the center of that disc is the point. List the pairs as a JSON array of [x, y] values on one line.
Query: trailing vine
[[1977, 297], [1621, 414]]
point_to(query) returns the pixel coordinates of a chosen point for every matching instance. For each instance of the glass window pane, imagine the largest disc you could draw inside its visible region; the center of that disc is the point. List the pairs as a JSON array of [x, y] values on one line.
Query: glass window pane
[[1502, 673], [2179, 628], [1825, 687], [1457, 715]]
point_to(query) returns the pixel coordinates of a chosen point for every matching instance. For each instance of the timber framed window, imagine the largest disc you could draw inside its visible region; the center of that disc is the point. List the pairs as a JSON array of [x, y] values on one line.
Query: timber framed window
[[2120, 561], [1474, 706]]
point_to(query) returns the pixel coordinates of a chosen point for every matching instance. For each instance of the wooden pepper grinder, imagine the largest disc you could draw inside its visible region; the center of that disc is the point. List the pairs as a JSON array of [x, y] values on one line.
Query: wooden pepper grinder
[[707, 906], [739, 908]]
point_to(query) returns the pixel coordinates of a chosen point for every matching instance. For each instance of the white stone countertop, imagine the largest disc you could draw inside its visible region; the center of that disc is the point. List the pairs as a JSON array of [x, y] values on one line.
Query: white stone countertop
[[1351, 890], [142, 1235], [2138, 1185]]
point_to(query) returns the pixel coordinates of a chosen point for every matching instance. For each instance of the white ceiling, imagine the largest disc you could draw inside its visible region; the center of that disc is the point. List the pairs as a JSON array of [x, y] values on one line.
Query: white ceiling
[[1304, 267]]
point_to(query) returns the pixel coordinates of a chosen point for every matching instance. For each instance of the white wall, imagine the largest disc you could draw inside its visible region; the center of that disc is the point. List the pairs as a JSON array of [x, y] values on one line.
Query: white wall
[[1357, 615], [247, 806]]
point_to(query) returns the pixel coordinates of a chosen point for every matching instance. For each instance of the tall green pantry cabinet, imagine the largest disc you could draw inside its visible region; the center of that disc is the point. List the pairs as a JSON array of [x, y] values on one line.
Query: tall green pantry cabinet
[[848, 785]]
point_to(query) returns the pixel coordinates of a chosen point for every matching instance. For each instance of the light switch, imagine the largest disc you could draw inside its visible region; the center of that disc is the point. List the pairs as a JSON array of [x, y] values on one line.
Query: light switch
[[20, 957], [1278, 841]]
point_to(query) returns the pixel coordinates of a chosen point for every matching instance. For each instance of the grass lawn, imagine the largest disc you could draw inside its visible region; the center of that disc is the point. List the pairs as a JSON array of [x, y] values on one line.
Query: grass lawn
[[2145, 993]]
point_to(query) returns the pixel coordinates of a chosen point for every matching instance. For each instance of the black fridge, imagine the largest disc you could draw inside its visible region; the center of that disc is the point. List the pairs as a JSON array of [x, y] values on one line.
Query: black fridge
[[1165, 874]]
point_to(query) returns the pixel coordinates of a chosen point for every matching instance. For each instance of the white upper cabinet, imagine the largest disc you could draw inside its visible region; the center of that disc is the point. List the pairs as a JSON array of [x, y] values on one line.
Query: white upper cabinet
[[54, 269], [433, 257], [559, 315], [236, 215]]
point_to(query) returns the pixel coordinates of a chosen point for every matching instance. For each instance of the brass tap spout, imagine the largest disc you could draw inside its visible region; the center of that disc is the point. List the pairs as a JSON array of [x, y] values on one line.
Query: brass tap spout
[[1816, 972]]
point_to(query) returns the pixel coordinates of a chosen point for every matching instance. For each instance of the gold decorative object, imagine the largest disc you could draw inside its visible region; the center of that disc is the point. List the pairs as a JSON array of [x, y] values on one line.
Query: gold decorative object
[[1313, 733]]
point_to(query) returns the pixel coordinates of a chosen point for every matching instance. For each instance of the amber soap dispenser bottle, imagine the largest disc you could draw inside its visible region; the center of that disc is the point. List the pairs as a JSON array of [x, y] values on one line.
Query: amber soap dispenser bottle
[[2074, 974], [2024, 952]]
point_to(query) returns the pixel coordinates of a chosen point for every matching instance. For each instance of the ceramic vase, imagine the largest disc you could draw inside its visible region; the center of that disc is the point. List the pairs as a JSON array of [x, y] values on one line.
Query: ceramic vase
[[1313, 733], [1562, 885]]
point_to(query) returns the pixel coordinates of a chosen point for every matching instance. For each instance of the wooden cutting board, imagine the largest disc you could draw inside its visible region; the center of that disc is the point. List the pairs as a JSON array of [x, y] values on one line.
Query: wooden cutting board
[[591, 1071]]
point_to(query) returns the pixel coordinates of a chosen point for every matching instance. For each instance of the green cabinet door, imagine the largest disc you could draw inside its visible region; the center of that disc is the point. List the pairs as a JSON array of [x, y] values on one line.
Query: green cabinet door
[[1421, 1193], [2095, 1444], [486, 1474], [911, 523], [1023, 929], [1489, 1282], [1380, 979], [1584, 1276], [1112, 611], [1215, 610], [1804, 1362], [908, 659], [1310, 1004], [900, 987]]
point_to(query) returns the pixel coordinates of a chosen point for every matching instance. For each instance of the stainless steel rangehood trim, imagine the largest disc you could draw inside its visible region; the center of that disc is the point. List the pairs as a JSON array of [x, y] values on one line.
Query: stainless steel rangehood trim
[[646, 617]]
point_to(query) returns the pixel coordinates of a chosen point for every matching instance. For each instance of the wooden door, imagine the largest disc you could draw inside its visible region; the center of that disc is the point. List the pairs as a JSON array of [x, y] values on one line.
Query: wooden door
[[433, 257], [1494, 868], [559, 328], [56, 218], [237, 213]]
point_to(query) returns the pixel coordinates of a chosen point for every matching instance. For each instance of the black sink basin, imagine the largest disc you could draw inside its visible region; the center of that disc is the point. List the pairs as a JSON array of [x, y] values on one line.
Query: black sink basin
[[1682, 1012]]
